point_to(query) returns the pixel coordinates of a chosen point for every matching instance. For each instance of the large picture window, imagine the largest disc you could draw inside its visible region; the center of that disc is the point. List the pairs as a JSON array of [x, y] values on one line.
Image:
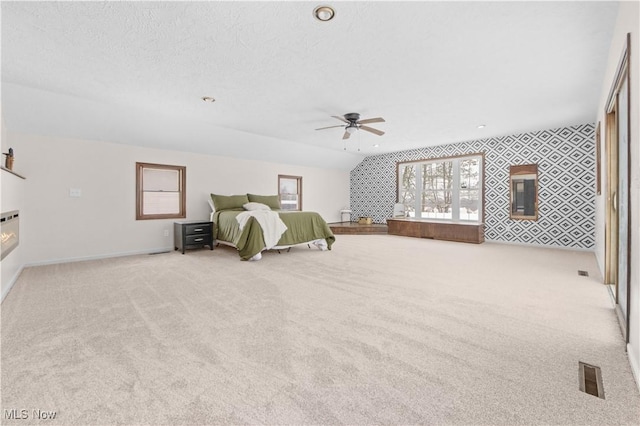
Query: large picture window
[[160, 191], [443, 188]]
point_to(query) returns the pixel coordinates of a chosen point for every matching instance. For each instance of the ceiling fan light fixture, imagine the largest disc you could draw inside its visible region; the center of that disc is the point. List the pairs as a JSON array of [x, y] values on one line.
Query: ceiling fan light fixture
[[353, 124], [324, 13]]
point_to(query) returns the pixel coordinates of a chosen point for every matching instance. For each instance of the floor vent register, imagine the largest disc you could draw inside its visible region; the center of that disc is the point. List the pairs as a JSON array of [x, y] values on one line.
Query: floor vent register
[[590, 379]]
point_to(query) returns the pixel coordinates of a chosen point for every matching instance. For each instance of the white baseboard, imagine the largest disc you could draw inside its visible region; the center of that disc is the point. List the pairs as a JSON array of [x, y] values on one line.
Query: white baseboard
[[635, 368], [100, 256], [12, 281], [515, 243], [79, 259]]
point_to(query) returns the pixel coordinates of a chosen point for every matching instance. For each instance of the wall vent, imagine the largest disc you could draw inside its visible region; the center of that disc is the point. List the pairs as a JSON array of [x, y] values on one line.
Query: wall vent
[[583, 273]]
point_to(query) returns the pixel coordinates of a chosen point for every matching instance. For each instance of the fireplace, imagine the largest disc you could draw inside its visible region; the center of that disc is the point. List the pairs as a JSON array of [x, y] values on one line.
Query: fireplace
[[10, 231]]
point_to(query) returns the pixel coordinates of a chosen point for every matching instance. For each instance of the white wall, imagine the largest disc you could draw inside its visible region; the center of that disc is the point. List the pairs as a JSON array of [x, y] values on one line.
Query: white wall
[[102, 221], [627, 22], [12, 198]]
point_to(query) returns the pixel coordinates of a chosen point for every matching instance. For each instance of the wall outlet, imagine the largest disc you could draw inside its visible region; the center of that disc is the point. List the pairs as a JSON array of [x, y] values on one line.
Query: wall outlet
[[75, 192], [166, 232]]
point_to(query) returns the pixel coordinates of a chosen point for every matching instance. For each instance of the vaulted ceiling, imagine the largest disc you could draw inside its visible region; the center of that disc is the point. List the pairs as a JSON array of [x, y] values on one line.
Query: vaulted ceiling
[[135, 73]]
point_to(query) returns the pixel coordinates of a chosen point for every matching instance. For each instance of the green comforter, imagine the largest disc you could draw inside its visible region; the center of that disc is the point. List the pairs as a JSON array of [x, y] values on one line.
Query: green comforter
[[302, 227]]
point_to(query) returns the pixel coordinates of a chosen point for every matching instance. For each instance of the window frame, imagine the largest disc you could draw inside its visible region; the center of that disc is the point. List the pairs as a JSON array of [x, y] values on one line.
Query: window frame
[[299, 193], [182, 185], [455, 188]]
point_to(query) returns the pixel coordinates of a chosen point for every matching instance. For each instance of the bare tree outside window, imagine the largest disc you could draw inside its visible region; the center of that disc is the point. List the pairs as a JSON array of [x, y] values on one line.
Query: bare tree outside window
[[444, 188], [408, 188]]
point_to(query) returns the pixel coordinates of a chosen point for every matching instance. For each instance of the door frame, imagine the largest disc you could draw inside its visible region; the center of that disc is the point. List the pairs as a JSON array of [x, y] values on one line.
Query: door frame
[[611, 215]]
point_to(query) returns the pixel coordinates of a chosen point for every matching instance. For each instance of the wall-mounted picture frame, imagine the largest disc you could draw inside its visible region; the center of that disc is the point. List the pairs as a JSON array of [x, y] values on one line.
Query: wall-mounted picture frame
[[598, 178]]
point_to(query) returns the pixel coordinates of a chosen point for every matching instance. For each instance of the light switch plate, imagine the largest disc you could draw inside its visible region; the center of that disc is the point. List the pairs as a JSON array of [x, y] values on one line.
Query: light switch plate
[[75, 192]]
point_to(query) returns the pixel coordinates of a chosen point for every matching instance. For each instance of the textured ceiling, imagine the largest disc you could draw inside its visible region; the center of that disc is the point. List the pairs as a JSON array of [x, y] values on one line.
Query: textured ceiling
[[134, 72]]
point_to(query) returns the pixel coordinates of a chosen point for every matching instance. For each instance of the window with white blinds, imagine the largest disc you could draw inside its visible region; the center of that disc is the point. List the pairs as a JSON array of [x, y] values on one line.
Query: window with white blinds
[[160, 192]]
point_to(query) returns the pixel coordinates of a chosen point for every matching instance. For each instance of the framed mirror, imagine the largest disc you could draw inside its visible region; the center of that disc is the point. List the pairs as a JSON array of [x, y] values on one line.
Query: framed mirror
[[524, 192]]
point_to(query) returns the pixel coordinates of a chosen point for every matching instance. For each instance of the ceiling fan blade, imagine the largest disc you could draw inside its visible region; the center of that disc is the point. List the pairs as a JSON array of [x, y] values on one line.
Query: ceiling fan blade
[[340, 118], [330, 127], [372, 130], [371, 120], [346, 135]]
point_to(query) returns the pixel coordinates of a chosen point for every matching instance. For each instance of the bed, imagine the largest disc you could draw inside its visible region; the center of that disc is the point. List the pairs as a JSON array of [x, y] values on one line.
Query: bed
[[302, 227]]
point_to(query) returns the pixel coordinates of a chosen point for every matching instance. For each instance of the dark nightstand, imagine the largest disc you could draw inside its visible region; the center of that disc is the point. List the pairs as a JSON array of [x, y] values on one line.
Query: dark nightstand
[[189, 234]]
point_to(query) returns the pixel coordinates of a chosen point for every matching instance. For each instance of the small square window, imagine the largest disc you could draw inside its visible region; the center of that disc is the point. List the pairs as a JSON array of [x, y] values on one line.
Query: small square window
[[290, 192], [160, 191]]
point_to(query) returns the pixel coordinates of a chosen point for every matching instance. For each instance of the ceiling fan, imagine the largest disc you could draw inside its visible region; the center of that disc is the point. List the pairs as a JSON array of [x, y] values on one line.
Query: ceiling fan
[[354, 123]]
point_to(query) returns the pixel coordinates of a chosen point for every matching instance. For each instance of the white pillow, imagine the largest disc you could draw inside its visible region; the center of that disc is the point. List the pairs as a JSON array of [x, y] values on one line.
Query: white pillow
[[255, 206]]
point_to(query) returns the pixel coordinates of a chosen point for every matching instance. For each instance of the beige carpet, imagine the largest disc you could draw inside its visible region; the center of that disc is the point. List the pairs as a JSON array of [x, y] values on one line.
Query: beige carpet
[[380, 330]]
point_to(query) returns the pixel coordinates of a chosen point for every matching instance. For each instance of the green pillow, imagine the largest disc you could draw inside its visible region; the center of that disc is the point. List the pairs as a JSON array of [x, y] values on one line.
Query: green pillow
[[272, 201], [229, 202]]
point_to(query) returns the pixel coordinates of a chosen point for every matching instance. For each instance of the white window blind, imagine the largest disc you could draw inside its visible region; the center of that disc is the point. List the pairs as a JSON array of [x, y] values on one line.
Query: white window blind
[[161, 191]]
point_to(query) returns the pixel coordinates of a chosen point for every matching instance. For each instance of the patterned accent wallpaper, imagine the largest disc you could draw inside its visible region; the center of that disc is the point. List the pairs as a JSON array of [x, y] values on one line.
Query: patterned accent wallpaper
[[566, 198]]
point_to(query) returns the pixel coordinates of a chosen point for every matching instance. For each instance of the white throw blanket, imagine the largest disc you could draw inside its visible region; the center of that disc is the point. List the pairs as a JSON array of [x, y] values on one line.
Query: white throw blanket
[[272, 226]]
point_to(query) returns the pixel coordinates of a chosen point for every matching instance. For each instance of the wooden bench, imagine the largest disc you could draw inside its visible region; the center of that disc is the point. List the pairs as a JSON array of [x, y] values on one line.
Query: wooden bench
[[437, 230]]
